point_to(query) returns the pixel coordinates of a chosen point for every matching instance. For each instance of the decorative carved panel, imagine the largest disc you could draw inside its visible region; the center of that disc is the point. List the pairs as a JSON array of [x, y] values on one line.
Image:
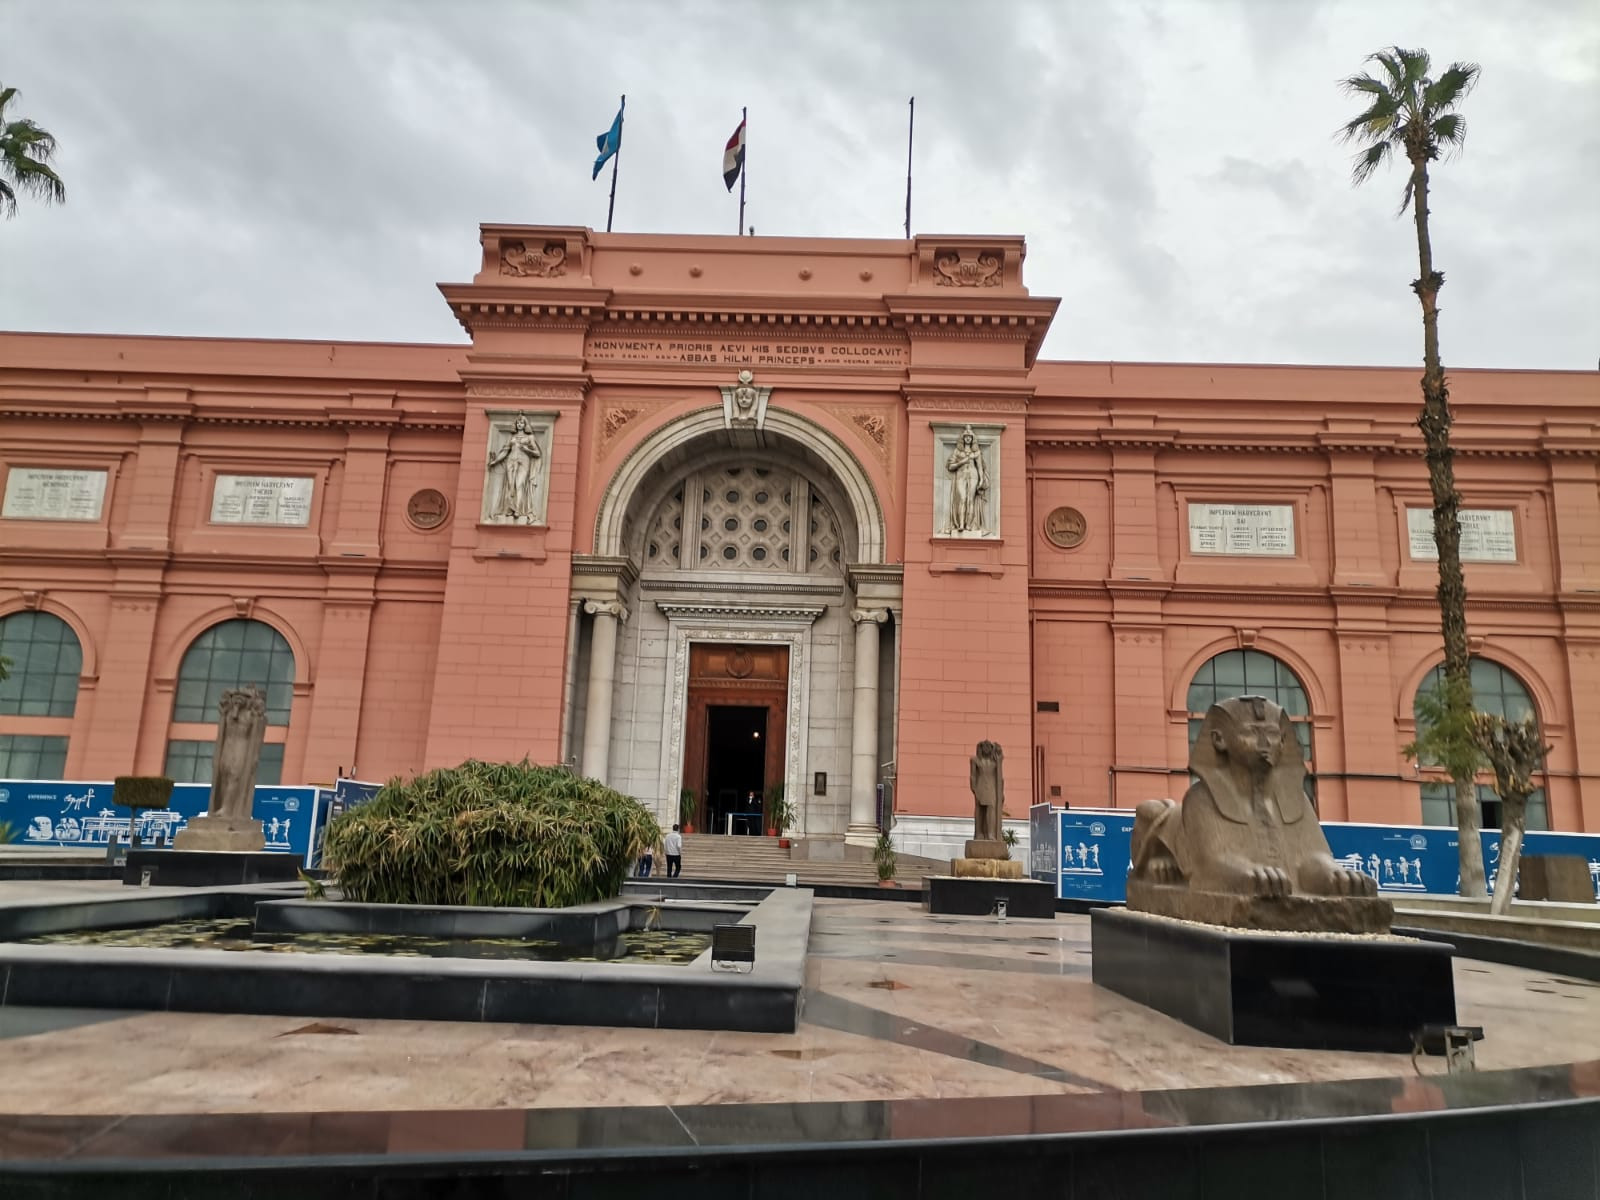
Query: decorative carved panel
[[968, 268], [545, 262], [516, 485]]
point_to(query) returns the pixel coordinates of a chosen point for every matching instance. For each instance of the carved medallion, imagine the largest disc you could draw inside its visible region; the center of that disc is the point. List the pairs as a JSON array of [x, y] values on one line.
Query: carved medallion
[[740, 663], [517, 259], [979, 268], [1065, 527], [427, 509]]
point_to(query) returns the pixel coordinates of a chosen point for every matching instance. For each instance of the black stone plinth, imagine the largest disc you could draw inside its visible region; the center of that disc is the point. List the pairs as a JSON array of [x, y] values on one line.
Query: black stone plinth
[[978, 897], [209, 868], [1280, 989]]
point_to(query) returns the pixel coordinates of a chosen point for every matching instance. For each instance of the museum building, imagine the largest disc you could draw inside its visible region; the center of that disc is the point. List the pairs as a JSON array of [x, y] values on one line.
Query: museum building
[[722, 520]]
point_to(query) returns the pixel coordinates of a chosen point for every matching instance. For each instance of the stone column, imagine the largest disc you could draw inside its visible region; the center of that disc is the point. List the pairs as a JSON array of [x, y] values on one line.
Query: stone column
[[863, 829], [602, 672]]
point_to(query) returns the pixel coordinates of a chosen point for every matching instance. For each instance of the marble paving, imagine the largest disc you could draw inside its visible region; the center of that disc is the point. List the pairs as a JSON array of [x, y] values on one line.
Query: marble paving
[[899, 1004]]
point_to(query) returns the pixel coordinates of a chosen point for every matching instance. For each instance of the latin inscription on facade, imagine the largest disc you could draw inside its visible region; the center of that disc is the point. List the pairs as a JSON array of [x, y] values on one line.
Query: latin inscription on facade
[[39, 494], [1487, 535], [262, 500], [744, 352], [1253, 530]]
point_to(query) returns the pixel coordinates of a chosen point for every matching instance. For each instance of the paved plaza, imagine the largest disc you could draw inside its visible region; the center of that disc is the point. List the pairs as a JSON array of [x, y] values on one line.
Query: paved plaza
[[899, 1004]]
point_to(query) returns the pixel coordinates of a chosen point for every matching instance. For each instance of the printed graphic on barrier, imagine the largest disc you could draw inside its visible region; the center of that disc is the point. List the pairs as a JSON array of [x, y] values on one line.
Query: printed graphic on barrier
[[82, 815]]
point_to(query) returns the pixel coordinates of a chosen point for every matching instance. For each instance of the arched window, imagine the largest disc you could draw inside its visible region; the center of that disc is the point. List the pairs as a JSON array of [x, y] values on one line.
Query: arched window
[[1250, 673], [44, 662], [1496, 690], [234, 654]]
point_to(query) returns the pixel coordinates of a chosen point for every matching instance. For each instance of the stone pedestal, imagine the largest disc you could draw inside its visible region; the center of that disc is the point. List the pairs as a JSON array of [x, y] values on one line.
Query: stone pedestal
[[1286, 914], [1308, 991], [980, 897], [217, 831], [986, 868], [985, 848]]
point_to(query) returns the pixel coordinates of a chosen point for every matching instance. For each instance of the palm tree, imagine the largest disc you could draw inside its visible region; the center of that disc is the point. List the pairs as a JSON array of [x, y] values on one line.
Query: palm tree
[[25, 152], [1410, 113]]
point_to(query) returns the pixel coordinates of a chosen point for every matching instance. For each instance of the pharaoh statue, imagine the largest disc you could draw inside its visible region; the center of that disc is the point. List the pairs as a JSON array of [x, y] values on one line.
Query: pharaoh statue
[[1245, 847], [987, 854], [227, 824], [969, 485], [520, 455]]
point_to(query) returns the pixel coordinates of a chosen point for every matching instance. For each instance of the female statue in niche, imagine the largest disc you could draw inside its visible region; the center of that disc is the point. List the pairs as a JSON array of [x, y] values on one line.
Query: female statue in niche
[[969, 485], [521, 455]]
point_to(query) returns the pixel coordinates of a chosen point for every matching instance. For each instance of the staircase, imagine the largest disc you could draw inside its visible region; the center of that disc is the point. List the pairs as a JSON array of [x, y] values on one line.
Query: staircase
[[761, 860]]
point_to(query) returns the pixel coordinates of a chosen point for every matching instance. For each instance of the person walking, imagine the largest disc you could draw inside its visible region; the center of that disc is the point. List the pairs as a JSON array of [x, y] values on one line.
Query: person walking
[[647, 862], [673, 845]]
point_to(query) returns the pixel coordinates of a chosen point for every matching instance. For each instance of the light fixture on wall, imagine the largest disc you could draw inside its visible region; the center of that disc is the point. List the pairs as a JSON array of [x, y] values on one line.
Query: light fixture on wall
[[756, 733]]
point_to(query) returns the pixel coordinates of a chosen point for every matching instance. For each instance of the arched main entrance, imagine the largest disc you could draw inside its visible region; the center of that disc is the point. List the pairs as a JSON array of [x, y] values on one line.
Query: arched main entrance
[[734, 644]]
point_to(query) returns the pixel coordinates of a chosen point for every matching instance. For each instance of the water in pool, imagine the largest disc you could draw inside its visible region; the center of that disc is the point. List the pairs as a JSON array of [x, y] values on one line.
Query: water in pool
[[657, 946]]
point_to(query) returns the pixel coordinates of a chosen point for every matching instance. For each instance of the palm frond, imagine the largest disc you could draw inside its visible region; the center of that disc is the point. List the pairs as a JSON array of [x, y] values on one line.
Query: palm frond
[[35, 178], [1393, 66], [37, 142], [1450, 130], [1451, 87], [1366, 163], [1416, 64], [8, 200]]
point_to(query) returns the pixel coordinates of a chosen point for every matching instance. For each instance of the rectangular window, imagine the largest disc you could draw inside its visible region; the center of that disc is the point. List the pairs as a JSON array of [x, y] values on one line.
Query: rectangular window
[[1439, 807], [25, 756], [190, 762]]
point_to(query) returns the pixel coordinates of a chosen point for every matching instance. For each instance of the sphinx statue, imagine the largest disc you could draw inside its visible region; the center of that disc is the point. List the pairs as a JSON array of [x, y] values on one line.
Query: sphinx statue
[[1245, 847]]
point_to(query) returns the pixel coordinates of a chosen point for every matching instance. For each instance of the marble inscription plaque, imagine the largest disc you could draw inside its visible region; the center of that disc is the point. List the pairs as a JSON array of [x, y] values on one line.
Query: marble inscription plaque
[[261, 500], [1254, 530], [1487, 535], [42, 494]]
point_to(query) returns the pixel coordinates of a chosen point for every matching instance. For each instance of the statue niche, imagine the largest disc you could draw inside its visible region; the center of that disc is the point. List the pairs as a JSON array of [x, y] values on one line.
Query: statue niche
[[1245, 848]]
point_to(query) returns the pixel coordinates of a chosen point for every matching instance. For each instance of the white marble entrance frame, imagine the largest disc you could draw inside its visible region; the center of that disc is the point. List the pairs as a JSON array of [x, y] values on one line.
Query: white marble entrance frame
[[788, 625]]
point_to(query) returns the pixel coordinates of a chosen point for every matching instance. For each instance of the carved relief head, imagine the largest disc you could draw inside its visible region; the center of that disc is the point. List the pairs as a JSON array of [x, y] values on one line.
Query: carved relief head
[[521, 424], [968, 439]]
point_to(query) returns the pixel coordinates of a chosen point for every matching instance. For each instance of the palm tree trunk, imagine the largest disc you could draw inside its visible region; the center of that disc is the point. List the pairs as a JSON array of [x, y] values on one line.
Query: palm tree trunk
[[1513, 821], [1435, 425]]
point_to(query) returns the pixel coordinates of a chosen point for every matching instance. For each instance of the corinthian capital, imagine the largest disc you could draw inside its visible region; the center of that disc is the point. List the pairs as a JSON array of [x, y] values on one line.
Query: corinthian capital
[[876, 615]]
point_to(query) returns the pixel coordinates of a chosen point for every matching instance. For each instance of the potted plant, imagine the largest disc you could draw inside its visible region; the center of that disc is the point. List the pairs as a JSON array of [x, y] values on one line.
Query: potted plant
[[1010, 839], [883, 857], [780, 815], [686, 809]]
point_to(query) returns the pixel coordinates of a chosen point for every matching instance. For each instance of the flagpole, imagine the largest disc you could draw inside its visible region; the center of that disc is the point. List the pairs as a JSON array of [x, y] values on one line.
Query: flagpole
[[744, 117], [616, 159], [911, 129]]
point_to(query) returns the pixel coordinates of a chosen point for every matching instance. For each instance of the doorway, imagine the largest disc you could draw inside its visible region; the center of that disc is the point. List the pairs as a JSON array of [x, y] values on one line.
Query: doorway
[[736, 765], [735, 733]]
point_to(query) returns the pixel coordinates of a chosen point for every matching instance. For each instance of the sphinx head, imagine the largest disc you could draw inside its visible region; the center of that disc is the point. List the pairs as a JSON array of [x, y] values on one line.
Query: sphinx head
[[1249, 733]]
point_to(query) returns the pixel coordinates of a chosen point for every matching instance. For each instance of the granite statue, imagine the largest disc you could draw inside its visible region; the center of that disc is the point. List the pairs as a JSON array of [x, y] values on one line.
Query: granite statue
[[1245, 847], [227, 823], [987, 853]]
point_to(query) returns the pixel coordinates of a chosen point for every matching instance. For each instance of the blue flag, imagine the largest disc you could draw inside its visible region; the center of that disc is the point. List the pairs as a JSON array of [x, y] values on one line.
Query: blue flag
[[609, 142]]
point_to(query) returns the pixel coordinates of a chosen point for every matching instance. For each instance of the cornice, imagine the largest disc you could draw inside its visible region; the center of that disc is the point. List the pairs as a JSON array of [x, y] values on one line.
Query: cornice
[[686, 610]]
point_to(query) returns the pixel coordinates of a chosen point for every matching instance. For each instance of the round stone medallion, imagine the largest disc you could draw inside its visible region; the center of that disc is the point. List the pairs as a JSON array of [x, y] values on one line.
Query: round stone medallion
[[427, 509], [1065, 527]]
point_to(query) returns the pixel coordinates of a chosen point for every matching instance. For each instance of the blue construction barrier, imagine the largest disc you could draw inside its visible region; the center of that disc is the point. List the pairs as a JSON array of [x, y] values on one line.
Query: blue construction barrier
[[81, 815], [1085, 853]]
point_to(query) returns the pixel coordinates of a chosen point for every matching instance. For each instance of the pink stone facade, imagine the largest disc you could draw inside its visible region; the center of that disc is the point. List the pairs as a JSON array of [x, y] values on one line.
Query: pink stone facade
[[424, 630]]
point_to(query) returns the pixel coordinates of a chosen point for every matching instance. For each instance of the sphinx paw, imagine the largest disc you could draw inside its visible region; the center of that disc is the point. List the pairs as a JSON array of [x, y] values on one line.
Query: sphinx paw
[[1355, 883], [1269, 881], [1164, 870]]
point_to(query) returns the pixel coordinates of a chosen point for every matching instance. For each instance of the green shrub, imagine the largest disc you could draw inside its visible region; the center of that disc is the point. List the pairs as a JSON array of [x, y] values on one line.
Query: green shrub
[[495, 834], [8, 833], [141, 791]]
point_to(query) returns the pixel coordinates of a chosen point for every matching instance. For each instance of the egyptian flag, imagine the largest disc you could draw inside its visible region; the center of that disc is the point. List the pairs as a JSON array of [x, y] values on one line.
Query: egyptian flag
[[733, 157]]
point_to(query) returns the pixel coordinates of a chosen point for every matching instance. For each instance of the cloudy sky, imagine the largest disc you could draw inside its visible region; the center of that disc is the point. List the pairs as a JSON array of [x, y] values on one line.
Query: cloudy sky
[[311, 168]]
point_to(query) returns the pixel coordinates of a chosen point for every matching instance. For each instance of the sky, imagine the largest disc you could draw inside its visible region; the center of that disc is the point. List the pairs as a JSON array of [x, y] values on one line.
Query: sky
[[300, 169]]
